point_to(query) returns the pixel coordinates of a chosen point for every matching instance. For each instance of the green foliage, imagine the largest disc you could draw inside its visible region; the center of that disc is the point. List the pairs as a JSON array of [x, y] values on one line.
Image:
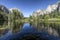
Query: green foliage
[[48, 20], [15, 20], [3, 19]]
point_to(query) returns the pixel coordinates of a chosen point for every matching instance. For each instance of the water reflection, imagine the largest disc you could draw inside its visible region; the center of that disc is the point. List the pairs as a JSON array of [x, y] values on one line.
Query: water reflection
[[51, 28], [27, 33]]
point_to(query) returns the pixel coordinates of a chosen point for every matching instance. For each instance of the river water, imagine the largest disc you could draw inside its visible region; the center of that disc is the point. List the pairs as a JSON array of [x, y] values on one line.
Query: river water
[[28, 33]]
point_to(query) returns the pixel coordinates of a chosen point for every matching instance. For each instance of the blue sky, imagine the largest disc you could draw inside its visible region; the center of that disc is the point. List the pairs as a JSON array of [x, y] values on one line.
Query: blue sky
[[27, 6]]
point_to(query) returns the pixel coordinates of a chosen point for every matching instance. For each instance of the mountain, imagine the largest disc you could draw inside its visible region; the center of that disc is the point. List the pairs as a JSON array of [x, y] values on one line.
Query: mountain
[[38, 12], [17, 10], [58, 8], [4, 9], [14, 9], [49, 9]]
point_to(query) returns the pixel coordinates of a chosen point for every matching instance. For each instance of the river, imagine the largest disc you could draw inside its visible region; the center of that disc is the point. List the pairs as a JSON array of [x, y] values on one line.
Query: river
[[28, 33]]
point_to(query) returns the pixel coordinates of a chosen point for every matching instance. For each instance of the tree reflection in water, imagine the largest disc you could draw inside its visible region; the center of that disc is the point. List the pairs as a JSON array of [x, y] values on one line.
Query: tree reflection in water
[[29, 33]]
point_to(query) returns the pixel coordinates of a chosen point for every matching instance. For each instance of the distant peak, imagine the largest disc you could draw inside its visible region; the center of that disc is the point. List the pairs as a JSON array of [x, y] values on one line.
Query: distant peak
[[49, 9], [14, 9], [4, 9]]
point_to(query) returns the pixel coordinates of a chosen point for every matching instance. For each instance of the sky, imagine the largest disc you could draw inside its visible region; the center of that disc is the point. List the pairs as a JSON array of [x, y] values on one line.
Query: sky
[[27, 7]]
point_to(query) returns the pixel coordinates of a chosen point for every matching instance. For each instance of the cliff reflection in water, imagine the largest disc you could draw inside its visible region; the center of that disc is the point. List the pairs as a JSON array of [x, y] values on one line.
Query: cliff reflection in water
[[38, 26], [50, 28], [28, 33]]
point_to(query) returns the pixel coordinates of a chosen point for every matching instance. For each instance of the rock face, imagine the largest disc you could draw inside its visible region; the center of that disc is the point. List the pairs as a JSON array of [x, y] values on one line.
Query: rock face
[[16, 9], [49, 9], [4, 9], [3, 19], [16, 16], [3, 15], [38, 12], [58, 8]]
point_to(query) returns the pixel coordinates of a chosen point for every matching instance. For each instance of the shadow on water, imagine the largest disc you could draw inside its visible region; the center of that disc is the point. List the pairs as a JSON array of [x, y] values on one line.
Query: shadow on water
[[28, 33]]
